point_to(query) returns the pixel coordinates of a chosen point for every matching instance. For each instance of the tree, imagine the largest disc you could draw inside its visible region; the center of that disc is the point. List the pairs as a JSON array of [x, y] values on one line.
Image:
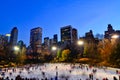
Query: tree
[[105, 48], [76, 51], [65, 54], [115, 56], [90, 50], [21, 56], [59, 54]]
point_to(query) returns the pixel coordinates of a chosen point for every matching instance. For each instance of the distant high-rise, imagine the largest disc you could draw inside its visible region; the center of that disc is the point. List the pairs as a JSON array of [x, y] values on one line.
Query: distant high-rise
[[46, 41], [36, 39], [89, 35], [8, 37], [3, 40], [20, 43], [74, 35], [50, 42], [55, 39], [68, 34], [14, 36], [109, 31]]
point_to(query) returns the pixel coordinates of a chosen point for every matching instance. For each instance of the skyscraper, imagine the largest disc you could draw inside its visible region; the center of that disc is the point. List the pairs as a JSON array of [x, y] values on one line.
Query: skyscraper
[[3, 40], [89, 35], [36, 39], [46, 46], [68, 34], [109, 31], [46, 41], [14, 36], [89, 38], [74, 35], [55, 39]]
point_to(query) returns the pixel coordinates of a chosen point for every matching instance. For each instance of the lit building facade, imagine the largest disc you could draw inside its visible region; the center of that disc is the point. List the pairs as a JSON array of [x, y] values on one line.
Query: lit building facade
[[3, 40], [68, 34], [36, 39], [46, 41], [55, 39], [46, 46]]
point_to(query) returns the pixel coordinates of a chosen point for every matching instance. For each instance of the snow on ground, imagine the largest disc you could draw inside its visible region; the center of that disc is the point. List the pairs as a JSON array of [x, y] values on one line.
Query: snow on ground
[[63, 71]]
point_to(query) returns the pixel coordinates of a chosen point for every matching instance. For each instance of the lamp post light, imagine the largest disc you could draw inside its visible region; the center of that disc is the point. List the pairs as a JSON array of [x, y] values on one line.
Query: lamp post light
[[80, 43], [8, 35], [16, 53], [16, 48], [54, 48], [115, 36]]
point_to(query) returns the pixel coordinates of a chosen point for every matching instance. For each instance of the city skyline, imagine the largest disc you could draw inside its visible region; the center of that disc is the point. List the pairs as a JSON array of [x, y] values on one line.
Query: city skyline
[[52, 15]]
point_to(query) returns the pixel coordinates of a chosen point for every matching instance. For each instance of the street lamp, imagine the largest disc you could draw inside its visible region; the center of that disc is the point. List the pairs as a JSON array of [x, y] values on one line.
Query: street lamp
[[54, 48], [16, 48], [8, 35], [115, 36], [80, 42], [115, 39]]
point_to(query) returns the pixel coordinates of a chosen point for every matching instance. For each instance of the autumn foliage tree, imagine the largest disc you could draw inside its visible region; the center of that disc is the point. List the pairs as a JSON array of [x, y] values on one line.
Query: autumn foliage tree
[[105, 49], [115, 56]]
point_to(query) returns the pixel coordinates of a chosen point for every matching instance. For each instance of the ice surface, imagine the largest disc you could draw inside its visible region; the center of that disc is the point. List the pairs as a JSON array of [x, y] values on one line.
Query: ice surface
[[62, 70]]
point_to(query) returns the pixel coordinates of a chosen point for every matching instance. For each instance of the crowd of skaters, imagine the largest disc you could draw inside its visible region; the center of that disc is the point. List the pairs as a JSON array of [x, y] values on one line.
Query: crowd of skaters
[[69, 69]]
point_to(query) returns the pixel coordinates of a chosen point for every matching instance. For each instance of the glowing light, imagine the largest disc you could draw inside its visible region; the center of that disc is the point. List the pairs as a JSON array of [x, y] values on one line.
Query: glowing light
[[54, 48], [16, 48], [8, 35], [80, 42], [115, 36]]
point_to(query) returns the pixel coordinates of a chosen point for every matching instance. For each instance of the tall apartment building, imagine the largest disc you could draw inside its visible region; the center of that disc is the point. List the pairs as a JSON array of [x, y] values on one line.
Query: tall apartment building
[[46, 41], [55, 39], [68, 34], [36, 39], [74, 35], [109, 31], [3, 40], [14, 36]]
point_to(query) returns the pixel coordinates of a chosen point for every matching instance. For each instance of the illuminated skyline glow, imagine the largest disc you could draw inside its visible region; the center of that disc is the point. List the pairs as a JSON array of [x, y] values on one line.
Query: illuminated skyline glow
[[51, 15]]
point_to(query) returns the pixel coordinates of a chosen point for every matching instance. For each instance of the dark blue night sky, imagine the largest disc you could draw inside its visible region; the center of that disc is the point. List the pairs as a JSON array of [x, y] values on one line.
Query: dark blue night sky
[[53, 14]]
